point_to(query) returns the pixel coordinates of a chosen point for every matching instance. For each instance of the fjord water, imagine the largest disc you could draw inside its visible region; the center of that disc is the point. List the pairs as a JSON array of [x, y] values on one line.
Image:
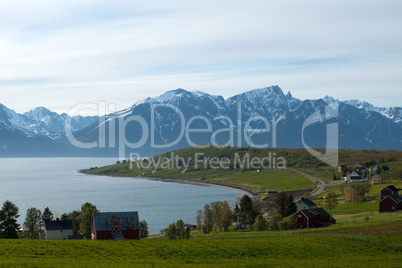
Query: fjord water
[[57, 184]]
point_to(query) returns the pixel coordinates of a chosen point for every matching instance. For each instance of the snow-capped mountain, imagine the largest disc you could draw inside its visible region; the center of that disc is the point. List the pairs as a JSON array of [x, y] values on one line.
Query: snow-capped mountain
[[36, 132], [284, 115], [263, 117], [393, 113]]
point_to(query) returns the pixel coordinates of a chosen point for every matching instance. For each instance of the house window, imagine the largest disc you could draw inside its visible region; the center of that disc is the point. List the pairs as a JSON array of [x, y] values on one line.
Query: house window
[[299, 216], [393, 208]]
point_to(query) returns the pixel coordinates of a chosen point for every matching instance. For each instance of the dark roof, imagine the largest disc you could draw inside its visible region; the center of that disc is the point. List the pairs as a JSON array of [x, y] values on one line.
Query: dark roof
[[128, 220], [312, 213], [59, 225], [392, 188], [396, 198], [307, 201], [354, 175]]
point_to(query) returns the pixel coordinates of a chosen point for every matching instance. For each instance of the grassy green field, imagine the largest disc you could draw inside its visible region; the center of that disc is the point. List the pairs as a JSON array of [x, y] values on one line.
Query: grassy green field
[[278, 179], [250, 179], [361, 237], [352, 242]]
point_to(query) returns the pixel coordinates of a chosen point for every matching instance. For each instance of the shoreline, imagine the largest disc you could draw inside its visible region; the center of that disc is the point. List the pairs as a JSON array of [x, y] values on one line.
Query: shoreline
[[177, 180]]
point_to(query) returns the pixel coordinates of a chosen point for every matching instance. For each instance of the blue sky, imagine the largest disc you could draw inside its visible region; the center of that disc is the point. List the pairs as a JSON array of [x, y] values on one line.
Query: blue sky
[[60, 53]]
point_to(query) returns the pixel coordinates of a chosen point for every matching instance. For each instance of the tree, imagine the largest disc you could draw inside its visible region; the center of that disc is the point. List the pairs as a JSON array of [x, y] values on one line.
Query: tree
[[188, 232], [85, 219], [72, 216], [33, 224], [330, 201], [246, 215], [181, 229], [288, 223], [284, 205], [291, 207], [260, 224], [216, 211], [208, 221], [47, 215], [274, 222], [171, 232], [144, 229], [199, 219], [363, 187], [8, 220], [225, 216]]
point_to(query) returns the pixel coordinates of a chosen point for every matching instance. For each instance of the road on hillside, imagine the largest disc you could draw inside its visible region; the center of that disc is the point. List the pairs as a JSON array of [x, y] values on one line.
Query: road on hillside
[[322, 184]]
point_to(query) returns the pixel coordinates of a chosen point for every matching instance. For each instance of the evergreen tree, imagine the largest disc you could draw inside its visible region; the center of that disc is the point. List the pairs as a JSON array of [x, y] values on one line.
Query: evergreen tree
[[291, 207], [247, 215], [8, 220], [284, 205], [33, 224], [47, 215], [281, 203]]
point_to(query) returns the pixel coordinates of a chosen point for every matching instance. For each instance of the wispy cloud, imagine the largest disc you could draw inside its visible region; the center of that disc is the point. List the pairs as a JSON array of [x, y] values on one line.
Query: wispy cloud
[[59, 53]]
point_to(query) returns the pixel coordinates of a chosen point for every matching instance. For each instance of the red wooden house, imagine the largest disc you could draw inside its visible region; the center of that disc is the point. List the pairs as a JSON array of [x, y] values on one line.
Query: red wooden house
[[389, 190], [310, 218], [341, 168], [115, 225], [391, 203]]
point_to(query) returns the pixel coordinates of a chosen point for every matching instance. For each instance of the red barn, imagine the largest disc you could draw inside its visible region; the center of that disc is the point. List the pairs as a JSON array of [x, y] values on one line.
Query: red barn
[[341, 168], [389, 190], [115, 225], [391, 203], [310, 218]]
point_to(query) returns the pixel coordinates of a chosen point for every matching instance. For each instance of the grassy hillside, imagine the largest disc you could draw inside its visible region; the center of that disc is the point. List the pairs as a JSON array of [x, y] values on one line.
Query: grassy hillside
[[352, 242], [247, 177]]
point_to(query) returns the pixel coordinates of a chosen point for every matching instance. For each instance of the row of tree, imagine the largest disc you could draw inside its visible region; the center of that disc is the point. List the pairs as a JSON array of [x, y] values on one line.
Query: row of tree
[[35, 220], [247, 214]]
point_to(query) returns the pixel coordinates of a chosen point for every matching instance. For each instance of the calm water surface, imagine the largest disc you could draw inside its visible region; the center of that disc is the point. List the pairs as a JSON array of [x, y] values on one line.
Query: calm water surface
[[56, 183]]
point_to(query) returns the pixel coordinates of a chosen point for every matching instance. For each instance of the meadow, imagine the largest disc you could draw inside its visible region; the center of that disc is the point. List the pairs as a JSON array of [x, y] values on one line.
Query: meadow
[[249, 178], [351, 242]]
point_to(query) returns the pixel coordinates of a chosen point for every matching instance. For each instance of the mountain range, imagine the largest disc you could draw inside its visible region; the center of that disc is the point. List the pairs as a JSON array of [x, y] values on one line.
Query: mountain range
[[266, 117]]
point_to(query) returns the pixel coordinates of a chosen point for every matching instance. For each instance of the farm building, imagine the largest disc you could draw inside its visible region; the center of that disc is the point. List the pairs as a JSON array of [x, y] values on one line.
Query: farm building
[[391, 203], [341, 168], [361, 169], [58, 229], [271, 191], [304, 203], [115, 225], [310, 218], [355, 177], [352, 194], [389, 190], [376, 179]]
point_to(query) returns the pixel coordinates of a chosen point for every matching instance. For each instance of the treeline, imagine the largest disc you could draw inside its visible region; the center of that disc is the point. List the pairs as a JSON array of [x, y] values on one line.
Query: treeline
[[34, 223], [248, 214]]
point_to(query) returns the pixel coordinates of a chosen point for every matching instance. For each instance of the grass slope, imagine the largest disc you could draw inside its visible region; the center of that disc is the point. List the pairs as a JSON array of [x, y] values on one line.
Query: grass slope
[[357, 244]]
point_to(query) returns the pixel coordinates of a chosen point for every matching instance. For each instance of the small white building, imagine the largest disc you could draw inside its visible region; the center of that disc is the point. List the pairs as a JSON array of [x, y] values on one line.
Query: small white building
[[304, 203], [58, 229]]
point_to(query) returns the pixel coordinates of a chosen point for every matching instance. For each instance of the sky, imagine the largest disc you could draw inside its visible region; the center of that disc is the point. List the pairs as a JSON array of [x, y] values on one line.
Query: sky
[[58, 54]]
